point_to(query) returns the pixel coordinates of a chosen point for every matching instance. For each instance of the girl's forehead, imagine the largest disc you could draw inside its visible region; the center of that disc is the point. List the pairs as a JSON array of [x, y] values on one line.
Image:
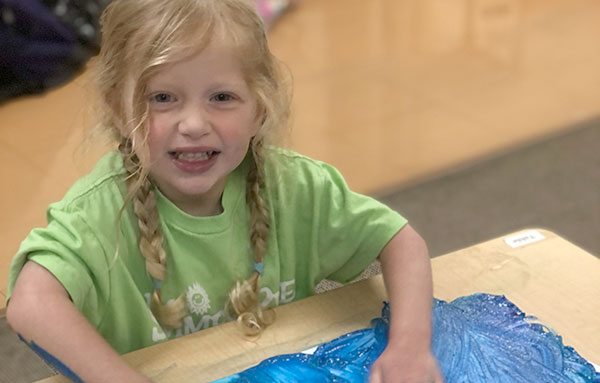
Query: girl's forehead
[[218, 62], [218, 50], [218, 47]]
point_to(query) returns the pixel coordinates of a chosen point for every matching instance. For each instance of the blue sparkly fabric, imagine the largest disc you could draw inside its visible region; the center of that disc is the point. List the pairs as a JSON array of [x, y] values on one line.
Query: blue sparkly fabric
[[477, 338]]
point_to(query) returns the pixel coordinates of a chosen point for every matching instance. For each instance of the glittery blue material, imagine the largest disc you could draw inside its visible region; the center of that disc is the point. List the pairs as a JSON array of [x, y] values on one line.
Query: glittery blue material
[[476, 339]]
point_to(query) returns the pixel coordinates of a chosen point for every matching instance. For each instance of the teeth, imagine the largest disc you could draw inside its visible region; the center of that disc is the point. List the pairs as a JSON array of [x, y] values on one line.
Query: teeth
[[198, 156]]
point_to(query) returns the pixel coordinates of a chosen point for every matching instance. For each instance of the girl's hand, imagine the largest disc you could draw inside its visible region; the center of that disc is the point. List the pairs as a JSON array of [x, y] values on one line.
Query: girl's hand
[[405, 366]]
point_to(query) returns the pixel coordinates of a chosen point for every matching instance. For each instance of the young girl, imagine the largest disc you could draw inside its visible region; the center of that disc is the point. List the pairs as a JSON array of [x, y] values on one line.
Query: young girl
[[195, 220]]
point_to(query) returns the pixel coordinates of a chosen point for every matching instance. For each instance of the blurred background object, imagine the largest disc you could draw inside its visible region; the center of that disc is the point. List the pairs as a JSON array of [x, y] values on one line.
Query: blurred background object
[[44, 43], [272, 10]]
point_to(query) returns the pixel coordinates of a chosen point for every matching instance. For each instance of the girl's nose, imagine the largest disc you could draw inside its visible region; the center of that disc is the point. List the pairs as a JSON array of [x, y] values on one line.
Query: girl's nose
[[194, 121]]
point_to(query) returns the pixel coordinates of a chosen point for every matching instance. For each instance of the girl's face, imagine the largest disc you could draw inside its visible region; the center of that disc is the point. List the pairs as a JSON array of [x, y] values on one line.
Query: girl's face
[[202, 117]]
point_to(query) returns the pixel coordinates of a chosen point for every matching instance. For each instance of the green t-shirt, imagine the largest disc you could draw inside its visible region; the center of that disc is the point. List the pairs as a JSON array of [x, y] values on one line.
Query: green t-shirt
[[318, 229]]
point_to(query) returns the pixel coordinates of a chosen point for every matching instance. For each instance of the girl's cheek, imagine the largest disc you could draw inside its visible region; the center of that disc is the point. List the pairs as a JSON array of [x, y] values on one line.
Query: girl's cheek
[[158, 124]]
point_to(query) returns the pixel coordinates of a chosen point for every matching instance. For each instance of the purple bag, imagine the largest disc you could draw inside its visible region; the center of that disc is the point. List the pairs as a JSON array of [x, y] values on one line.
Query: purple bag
[[43, 43]]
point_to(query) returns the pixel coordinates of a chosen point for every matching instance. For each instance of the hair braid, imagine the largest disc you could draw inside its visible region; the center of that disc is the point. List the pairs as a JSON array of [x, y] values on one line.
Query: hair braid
[[244, 296], [259, 217], [141, 193]]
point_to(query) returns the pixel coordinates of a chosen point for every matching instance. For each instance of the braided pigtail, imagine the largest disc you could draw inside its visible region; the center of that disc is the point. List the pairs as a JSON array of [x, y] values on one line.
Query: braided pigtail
[[244, 296], [141, 193]]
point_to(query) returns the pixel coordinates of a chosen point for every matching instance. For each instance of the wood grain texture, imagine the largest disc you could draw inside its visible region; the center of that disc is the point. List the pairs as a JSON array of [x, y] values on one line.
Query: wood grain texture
[[396, 91]]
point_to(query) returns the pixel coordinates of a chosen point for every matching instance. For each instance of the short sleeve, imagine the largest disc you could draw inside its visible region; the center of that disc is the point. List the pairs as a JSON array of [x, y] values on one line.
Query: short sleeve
[[69, 249], [353, 228]]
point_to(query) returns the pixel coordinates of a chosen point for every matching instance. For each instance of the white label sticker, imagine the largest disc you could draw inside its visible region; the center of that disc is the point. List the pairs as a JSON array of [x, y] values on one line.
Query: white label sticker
[[524, 238], [310, 351]]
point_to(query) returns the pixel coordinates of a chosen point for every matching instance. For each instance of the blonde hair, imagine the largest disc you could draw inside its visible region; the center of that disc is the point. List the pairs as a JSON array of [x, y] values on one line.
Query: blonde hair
[[139, 38]]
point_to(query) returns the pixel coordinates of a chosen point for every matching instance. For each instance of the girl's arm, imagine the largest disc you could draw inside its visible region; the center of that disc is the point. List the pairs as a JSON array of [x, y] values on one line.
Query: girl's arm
[[41, 311], [407, 274]]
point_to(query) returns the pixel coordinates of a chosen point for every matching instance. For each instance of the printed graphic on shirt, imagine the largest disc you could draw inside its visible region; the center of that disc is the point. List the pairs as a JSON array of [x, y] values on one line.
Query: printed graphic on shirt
[[286, 294], [197, 299], [199, 305]]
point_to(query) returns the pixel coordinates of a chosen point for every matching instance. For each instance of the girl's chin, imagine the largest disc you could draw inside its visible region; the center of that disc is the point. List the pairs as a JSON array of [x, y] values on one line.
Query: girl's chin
[[198, 191]]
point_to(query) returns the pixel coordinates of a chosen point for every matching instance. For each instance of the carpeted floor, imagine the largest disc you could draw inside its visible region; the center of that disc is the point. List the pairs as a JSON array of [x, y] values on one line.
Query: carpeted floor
[[553, 184]]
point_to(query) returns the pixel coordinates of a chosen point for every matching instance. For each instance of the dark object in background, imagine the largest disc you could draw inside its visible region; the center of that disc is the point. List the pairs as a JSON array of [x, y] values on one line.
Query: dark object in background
[[44, 43]]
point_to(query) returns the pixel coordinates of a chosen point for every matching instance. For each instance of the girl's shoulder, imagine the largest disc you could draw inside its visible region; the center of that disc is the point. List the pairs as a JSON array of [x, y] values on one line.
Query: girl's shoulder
[[104, 184], [287, 169], [286, 160]]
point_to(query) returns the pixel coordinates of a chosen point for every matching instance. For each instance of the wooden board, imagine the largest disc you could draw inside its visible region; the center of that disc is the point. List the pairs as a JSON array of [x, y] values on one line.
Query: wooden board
[[552, 279]]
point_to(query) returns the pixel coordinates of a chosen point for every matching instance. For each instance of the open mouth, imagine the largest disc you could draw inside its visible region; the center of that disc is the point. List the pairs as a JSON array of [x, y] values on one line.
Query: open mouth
[[193, 156]]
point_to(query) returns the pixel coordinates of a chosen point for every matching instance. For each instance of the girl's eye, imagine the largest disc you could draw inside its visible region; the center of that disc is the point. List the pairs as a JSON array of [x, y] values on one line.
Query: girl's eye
[[162, 98], [222, 97]]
